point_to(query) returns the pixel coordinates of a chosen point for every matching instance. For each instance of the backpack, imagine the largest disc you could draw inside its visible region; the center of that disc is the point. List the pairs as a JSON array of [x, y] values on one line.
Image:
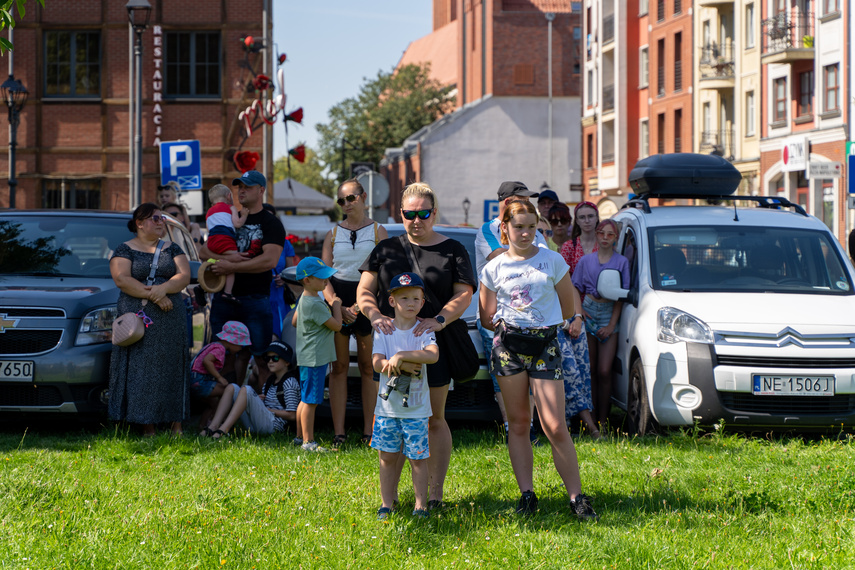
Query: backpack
[[280, 388]]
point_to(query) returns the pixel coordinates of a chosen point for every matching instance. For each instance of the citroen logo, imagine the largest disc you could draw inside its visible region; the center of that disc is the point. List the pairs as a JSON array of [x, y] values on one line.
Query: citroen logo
[[6, 323]]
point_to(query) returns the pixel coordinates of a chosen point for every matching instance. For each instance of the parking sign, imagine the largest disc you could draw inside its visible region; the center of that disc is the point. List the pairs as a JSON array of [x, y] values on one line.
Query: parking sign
[[181, 161]]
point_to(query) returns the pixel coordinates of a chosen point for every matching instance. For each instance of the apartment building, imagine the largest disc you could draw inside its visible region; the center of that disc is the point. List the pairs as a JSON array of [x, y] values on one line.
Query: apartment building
[[74, 57]]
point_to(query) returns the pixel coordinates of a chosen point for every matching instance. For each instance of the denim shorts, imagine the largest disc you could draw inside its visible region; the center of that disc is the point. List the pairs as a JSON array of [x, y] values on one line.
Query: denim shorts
[[545, 366], [599, 315], [253, 311], [201, 385], [391, 433], [312, 383]]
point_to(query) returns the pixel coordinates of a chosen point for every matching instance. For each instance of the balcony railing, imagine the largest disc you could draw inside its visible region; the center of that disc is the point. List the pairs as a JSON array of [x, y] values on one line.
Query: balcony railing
[[608, 28], [717, 62], [608, 98], [788, 30], [719, 142]]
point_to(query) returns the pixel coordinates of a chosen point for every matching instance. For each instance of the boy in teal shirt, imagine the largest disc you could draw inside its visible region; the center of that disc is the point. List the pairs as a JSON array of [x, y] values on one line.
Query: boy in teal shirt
[[316, 326]]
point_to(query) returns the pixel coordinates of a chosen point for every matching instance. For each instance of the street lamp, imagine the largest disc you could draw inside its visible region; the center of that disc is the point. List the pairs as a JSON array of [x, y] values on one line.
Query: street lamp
[[466, 204], [15, 95], [138, 15]]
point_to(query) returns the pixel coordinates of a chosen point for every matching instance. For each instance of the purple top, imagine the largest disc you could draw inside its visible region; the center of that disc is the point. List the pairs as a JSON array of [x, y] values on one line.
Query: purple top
[[588, 271]]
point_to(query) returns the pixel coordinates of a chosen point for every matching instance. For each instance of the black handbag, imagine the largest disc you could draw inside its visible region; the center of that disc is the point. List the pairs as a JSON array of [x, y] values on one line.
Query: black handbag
[[454, 343], [528, 342]]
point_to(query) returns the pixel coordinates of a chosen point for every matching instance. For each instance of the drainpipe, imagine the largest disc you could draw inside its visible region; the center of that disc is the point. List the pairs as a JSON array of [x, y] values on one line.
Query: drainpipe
[[550, 16]]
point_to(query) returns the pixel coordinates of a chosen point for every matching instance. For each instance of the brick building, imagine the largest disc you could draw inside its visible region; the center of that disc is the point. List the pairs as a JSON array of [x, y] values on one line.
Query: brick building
[[74, 57], [506, 126]]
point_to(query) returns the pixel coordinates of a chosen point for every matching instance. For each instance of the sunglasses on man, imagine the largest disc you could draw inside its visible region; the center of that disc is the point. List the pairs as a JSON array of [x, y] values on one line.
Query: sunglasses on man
[[411, 214]]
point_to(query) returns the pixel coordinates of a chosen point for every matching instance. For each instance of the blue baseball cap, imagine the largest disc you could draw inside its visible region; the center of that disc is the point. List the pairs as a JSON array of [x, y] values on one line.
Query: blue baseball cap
[[314, 267], [406, 280], [251, 178], [548, 194]]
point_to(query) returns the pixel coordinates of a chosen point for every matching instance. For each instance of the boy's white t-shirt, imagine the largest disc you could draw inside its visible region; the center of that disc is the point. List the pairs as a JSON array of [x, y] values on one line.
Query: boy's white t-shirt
[[418, 405], [525, 288]]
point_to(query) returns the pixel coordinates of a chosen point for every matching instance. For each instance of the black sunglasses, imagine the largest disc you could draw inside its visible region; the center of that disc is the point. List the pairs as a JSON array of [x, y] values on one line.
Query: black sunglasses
[[556, 221], [350, 198], [274, 358], [411, 214]]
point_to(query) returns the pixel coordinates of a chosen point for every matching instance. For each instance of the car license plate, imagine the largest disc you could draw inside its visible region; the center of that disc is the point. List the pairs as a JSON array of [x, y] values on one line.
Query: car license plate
[[16, 370], [793, 385]]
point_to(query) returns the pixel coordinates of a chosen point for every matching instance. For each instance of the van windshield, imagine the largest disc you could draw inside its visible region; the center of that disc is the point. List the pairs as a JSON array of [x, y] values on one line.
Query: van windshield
[[59, 245], [747, 259]]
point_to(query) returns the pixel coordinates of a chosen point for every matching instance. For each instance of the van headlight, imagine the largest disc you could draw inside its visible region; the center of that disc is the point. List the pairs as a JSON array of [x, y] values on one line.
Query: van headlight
[[679, 326], [96, 326]]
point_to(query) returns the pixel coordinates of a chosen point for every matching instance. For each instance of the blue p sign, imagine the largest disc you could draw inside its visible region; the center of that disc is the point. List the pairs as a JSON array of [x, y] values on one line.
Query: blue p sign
[[181, 161]]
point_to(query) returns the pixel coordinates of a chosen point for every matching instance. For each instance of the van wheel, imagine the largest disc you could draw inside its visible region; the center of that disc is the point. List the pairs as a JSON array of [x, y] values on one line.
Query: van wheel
[[641, 420]]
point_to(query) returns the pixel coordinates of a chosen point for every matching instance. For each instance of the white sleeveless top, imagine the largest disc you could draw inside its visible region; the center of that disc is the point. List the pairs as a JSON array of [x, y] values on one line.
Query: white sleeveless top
[[351, 248]]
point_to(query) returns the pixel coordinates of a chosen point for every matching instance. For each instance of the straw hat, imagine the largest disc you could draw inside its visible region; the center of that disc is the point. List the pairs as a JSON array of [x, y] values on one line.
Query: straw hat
[[208, 280]]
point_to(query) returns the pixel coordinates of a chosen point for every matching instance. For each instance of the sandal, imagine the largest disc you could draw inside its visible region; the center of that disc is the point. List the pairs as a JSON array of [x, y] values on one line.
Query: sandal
[[366, 438], [383, 513], [206, 432], [339, 440], [222, 434]]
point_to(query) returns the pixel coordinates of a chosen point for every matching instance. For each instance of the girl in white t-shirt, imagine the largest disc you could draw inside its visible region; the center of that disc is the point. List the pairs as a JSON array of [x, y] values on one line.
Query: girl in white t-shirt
[[526, 294]]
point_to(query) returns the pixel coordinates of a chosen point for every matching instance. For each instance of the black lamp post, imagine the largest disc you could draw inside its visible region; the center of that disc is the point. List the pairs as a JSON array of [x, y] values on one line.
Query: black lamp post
[[139, 12], [14, 95]]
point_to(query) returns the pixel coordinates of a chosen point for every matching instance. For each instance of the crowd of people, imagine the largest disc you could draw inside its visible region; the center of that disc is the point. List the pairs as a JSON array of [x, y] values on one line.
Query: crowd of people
[[548, 337]]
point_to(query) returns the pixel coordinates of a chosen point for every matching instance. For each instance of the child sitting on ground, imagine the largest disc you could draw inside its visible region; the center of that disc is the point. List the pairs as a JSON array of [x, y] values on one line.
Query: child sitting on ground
[[402, 419], [316, 325], [266, 412], [222, 221], [206, 379]]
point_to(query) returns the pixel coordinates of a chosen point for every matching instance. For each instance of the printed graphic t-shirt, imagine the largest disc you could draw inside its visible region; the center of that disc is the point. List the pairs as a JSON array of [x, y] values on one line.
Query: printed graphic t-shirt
[[259, 230], [418, 404]]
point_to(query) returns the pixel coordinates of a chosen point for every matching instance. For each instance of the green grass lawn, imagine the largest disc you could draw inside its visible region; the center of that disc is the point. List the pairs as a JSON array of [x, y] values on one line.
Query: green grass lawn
[[115, 500]]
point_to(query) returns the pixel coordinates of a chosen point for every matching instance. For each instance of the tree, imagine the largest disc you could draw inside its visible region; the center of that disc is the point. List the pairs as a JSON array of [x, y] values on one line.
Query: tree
[[387, 110], [7, 19]]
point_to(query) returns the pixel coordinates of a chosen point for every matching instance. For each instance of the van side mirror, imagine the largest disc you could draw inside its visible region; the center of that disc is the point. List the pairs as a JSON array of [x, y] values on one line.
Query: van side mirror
[[608, 286]]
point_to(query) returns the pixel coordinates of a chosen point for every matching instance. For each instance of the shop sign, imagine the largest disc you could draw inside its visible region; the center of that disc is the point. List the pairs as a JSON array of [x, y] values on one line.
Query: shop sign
[[794, 155]]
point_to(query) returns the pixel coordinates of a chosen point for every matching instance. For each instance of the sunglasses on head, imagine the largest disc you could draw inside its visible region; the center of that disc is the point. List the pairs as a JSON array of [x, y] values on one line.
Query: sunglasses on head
[[350, 199], [274, 358], [411, 214]]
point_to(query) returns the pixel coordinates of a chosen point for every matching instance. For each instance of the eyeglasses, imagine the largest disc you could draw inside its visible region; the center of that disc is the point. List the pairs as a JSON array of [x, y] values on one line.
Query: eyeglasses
[[559, 221], [174, 214], [157, 219], [274, 358], [350, 199], [411, 214], [606, 234]]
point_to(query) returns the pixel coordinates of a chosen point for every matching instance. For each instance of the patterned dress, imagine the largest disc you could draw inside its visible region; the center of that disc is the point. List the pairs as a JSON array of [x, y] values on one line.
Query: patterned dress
[[576, 365], [148, 379]]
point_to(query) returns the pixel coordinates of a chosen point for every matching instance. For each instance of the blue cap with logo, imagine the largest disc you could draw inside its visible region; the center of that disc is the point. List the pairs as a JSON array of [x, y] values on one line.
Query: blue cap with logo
[[406, 280], [314, 267], [548, 194], [251, 178]]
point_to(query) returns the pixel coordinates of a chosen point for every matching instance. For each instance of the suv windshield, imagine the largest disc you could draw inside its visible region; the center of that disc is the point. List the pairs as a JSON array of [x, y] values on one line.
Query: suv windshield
[[59, 245], [723, 259]]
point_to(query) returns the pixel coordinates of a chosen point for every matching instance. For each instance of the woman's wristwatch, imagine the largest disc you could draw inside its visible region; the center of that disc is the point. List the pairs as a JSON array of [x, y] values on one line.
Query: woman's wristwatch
[[441, 320]]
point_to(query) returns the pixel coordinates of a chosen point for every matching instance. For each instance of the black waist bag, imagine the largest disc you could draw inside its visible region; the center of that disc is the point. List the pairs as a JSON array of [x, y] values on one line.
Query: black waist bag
[[528, 342]]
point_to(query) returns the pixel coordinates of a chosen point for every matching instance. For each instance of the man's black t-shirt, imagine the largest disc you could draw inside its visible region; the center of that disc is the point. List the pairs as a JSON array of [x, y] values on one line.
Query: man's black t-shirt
[[259, 230], [443, 264]]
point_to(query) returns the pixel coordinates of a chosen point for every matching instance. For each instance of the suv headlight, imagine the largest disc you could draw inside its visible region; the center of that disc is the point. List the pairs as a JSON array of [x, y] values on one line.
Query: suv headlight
[[96, 326], [678, 326]]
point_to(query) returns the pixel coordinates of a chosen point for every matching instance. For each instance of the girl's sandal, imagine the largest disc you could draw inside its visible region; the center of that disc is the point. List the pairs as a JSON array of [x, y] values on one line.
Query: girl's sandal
[[206, 432], [222, 434], [339, 440], [366, 438]]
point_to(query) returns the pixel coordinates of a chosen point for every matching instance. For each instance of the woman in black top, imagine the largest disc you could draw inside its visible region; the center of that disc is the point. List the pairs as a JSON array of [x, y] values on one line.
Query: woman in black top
[[447, 273]]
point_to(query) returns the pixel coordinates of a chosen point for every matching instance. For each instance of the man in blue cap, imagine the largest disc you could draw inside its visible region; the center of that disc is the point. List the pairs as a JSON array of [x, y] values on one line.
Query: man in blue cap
[[263, 236]]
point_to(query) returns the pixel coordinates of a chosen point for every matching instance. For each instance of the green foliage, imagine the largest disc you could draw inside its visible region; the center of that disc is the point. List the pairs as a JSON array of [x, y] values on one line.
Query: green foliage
[[310, 173], [20, 255], [715, 501], [7, 19], [387, 110]]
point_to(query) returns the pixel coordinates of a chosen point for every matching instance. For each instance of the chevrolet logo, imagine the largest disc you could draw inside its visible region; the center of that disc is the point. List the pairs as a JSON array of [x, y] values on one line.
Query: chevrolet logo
[[7, 323]]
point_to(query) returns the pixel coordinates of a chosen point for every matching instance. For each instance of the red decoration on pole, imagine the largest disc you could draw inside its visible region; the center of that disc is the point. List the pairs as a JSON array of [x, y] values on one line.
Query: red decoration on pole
[[282, 58], [245, 160], [296, 116], [247, 41], [262, 82], [299, 153]]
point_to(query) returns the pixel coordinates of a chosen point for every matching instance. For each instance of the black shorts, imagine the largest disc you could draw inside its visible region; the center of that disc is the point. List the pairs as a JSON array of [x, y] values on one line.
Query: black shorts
[[346, 290]]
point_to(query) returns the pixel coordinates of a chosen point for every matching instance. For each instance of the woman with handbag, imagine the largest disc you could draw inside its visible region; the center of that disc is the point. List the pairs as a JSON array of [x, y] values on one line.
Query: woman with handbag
[[444, 266], [526, 294], [346, 247], [148, 379]]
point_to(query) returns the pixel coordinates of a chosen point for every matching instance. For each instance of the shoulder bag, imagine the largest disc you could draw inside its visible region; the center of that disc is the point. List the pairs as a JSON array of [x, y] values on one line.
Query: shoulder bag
[[453, 341], [130, 327]]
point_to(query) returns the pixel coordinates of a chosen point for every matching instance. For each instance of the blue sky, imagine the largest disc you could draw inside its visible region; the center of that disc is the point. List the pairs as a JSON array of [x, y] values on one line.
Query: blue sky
[[332, 45]]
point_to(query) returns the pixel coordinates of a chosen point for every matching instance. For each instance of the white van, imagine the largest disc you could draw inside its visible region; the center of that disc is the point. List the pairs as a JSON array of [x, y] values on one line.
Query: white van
[[740, 314]]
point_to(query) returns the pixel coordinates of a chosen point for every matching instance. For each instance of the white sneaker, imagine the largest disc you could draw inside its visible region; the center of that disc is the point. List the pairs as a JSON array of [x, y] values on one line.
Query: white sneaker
[[313, 446]]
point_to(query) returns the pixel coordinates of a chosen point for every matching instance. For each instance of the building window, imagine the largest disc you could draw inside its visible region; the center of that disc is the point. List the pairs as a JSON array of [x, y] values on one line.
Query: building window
[[72, 194], [642, 7], [832, 6], [660, 10], [678, 61], [590, 151], [749, 26], [577, 42], [660, 134], [678, 129], [660, 68], [678, 6], [749, 114], [592, 89], [832, 88], [806, 93], [72, 64], [192, 64], [780, 106], [644, 139], [643, 67]]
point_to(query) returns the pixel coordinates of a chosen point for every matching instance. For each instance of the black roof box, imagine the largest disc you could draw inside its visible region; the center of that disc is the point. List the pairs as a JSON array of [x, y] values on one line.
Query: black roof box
[[684, 175]]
